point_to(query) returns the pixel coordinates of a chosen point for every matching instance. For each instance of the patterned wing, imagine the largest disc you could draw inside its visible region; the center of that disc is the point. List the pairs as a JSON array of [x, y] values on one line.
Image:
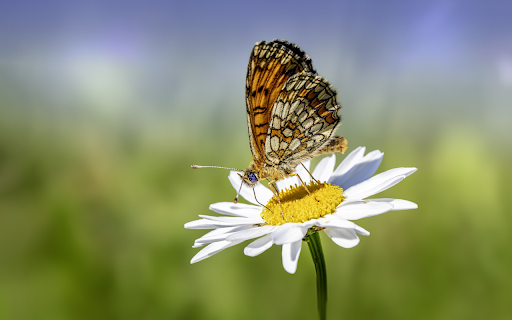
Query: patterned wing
[[304, 119], [270, 66]]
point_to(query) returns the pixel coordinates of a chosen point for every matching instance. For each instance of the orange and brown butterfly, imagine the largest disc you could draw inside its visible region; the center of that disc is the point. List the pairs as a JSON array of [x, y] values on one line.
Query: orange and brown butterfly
[[292, 113]]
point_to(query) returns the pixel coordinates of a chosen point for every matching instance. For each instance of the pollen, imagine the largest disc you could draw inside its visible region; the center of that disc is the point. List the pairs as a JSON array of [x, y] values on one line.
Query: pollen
[[299, 205]]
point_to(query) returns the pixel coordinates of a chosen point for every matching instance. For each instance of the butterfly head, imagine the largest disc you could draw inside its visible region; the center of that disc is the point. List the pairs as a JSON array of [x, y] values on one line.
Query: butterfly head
[[249, 177]]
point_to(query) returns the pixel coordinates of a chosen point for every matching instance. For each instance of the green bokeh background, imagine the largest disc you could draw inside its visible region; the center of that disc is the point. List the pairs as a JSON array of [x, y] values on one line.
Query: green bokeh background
[[95, 185]]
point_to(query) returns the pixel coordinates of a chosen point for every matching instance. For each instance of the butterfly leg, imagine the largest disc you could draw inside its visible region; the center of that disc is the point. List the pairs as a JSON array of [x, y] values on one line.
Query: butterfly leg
[[309, 173], [303, 184], [276, 193]]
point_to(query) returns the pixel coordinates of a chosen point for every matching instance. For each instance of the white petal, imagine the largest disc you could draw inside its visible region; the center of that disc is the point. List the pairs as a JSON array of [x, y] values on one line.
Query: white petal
[[398, 204], [205, 224], [233, 221], [258, 246], [236, 209], [290, 232], [333, 221], [250, 233], [212, 249], [362, 209], [291, 253], [350, 160], [364, 190], [324, 168], [291, 181], [262, 193], [219, 234], [346, 238], [361, 171], [378, 183], [362, 231]]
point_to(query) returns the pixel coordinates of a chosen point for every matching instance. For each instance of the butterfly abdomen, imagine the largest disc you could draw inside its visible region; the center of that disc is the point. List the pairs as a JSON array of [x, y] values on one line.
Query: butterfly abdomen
[[337, 144]]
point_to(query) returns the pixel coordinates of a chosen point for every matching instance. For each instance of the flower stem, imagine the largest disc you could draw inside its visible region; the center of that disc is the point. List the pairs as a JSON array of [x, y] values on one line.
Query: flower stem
[[315, 247]]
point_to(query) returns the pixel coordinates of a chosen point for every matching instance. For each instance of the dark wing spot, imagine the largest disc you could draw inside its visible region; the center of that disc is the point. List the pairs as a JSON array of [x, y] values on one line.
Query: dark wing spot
[[260, 89], [253, 93], [260, 108], [266, 91]]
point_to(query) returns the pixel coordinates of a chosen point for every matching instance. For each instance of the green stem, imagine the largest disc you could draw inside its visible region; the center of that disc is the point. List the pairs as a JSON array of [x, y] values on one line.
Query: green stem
[[315, 247]]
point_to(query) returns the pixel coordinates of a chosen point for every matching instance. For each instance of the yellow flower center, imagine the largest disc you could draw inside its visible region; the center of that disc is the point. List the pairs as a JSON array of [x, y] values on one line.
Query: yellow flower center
[[299, 205]]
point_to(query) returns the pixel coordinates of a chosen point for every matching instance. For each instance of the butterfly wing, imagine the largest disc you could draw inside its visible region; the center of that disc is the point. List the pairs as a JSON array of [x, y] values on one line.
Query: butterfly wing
[[270, 66], [304, 119]]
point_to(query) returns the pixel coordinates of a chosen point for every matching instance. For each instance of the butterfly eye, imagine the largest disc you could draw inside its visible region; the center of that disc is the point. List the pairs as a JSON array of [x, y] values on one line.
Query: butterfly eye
[[252, 177]]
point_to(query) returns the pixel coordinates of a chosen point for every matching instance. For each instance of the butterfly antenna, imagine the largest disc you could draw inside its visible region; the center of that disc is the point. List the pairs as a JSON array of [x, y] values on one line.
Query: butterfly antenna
[[238, 193], [195, 166]]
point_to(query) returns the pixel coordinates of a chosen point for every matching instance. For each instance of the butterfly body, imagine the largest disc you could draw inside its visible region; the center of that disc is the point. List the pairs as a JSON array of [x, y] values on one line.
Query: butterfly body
[[292, 113]]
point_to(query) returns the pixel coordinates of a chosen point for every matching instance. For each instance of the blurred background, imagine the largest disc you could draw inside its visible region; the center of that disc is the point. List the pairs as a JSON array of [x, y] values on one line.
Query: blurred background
[[105, 104]]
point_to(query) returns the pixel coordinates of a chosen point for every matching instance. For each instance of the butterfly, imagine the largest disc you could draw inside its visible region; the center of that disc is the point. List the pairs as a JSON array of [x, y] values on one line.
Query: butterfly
[[292, 113]]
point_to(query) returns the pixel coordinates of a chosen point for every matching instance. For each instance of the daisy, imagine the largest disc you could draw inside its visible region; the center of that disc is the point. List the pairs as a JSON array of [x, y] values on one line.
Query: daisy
[[331, 202]]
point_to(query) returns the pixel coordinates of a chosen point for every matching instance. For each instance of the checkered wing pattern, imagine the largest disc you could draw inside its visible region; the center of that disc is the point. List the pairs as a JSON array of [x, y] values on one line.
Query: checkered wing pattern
[[304, 119], [270, 66]]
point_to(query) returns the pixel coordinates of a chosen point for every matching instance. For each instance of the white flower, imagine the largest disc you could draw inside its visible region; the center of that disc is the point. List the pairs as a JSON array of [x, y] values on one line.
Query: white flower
[[241, 222]]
